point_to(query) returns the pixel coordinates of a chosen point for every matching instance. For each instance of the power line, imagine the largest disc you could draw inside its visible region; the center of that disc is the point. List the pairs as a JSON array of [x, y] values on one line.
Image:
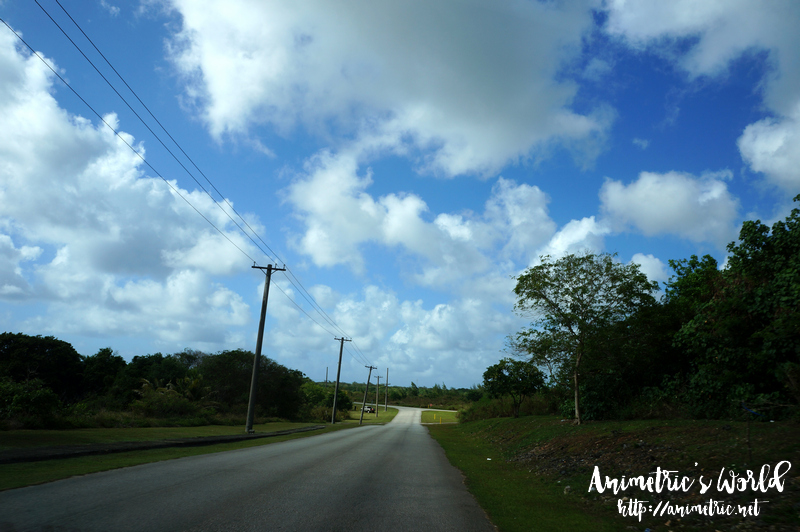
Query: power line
[[160, 125], [301, 289], [296, 282], [116, 133], [121, 97]]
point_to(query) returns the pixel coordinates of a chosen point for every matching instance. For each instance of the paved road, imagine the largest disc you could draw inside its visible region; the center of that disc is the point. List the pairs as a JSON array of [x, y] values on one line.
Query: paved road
[[390, 477]]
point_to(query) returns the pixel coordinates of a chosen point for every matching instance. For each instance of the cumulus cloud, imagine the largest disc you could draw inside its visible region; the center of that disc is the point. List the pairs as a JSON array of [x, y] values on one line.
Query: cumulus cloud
[[699, 209], [474, 88], [705, 37], [651, 266], [108, 249], [449, 339], [576, 236], [339, 215], [772, 146], [13, 284]]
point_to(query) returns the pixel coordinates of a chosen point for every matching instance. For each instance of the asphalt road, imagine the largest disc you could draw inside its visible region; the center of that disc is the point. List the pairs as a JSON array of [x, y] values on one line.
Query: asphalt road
[[390, 477]]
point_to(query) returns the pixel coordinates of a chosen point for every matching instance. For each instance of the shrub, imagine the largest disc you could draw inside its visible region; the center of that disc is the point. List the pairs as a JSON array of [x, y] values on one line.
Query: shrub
[[164, 404], [29, 402]]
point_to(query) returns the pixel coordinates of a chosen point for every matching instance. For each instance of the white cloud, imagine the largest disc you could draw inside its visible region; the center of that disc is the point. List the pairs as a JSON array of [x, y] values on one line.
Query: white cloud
[[772, 146], [108, 250], [448, 339], [576, 236], [339, 216], [475, 87], [641, 143], [13, 284], [718, 32], [112, 9], [699, 209], [651, 266]]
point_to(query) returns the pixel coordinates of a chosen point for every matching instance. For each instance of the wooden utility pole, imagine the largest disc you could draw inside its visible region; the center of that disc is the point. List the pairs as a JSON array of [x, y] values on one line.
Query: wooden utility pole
[[251, 407], [377, 392], [364, 404], [338, 374], [386, 392]]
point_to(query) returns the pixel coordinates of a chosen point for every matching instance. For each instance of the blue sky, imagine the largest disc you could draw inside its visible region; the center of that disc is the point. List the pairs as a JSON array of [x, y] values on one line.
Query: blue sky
[[404, 159]]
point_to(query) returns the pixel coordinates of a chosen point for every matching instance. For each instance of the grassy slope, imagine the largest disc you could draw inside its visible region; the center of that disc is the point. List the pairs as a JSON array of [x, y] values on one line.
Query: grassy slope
[[430, 416], [382, 417], [11, 439], [534, 459], [29, 473]]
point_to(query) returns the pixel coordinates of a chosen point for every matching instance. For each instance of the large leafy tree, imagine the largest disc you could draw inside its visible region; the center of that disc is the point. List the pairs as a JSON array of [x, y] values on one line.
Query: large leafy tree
[[54, 362], [745, 334], [572, 300], [100, 370], [515, 378]]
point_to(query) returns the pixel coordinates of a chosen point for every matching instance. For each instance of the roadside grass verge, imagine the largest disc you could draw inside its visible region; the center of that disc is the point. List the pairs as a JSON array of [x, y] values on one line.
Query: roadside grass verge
[[430, 416], [383, 417], [13, 439], [29, 473], [535, 458], [512, 497]]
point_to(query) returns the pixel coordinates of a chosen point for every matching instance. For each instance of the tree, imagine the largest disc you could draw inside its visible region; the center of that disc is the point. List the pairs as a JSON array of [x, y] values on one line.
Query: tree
[[343, 401], [515, 378], [53, 361], [745, 335], [157, 367], [100, 371], [573, 298]]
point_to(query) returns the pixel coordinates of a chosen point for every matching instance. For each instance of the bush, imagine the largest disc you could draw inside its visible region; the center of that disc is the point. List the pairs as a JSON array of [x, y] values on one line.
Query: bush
[[29, 402], [323, 414], [164, 404]]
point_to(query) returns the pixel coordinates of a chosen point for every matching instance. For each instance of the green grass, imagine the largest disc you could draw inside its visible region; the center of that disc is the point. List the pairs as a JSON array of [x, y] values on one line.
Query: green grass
[[29, 473], [430, 416], [13, 439], [512, 497], [534, 458], [383, 417]]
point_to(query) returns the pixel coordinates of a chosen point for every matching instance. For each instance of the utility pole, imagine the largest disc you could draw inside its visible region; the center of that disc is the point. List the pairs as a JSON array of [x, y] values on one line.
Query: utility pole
[[386, 392], [377, 391], [338, 374], [364, 404], [251, 407]]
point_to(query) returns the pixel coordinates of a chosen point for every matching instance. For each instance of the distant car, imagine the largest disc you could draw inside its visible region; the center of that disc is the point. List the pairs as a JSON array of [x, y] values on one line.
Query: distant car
[[369, 409]]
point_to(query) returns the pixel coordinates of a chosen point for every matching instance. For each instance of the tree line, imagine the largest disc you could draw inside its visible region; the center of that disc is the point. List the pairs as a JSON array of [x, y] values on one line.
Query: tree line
[[717, 343], [45, 382]]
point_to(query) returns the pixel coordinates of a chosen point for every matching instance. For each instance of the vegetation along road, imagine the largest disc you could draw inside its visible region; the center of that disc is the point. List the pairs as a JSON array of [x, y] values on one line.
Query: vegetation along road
[[379, 477]]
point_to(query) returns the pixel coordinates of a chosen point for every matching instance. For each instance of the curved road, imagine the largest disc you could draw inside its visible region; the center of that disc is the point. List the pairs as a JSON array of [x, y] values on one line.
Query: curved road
[[389, 477]]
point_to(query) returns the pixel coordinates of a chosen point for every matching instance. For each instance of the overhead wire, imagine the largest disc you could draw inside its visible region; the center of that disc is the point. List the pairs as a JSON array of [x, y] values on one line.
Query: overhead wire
[[273, 256], [176, 191], [140, 118], [157, 121]]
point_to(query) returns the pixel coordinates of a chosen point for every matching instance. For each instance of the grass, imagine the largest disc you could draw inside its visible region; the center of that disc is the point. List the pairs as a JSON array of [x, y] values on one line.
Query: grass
[[371, 419], [534, 458], [13, 439], [511, 497], [430, 416], [29, 473]]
